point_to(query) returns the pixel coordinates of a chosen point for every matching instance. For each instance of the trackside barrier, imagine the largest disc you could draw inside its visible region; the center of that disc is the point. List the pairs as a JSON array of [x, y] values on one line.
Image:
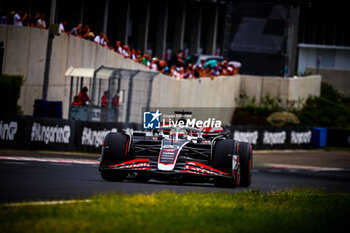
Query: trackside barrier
[[268, 137], [338, 137], [27, 132]]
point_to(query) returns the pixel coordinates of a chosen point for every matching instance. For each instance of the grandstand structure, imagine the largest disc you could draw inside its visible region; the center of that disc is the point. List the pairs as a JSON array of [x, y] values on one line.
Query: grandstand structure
[[262, 35], [269, 38]]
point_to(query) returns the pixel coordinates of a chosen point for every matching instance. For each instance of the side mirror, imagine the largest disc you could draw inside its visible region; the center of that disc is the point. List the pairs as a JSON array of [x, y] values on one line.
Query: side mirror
[[228, 134]]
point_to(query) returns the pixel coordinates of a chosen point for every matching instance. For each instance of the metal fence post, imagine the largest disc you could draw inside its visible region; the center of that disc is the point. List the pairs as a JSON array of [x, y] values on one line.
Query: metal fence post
[[148, 103], [130, 92]]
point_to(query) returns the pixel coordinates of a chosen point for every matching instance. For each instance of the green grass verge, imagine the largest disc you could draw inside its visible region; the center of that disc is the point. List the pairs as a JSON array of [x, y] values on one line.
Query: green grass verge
[[298, 210]]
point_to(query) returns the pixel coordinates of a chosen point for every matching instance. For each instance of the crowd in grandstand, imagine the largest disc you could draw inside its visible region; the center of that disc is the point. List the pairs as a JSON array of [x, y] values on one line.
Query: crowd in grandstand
[[177, 67], [20, 19]]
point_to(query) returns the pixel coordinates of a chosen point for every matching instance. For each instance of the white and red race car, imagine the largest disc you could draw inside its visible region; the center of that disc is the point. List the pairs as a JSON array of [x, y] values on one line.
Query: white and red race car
[[178, 154]]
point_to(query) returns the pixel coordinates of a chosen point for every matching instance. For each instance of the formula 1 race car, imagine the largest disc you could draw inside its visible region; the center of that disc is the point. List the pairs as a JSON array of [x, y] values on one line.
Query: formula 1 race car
[[176, 154]]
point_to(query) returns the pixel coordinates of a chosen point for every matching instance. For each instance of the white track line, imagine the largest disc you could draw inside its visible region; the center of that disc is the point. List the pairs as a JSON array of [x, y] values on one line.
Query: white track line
[[72, 161], [34, 203]]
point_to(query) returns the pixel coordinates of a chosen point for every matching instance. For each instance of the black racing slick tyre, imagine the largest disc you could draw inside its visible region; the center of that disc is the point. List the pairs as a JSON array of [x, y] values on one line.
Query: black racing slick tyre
[[246, 160], [114, 151], [222, 158]]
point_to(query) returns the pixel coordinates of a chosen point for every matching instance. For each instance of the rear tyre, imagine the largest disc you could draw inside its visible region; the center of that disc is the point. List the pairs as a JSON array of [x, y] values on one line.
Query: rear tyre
[[114, 151], [246, 159], [222, 158]]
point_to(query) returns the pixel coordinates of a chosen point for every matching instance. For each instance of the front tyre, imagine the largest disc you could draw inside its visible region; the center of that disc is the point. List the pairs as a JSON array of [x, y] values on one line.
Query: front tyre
[[114, 151], [222, 158], [246, 159]]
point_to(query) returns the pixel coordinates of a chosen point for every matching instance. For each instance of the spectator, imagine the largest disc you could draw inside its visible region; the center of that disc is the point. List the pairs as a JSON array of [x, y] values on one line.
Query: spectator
[[188, 73], [76, 31], [41, 22], [99, 38], [105, 40], [154, 65], [34, 19], [215, 71], [133, 55], [202, 63], [83, 96], [62, 26], [178, 66], [17, 19], [181, 72], [197, 72], [218, 68], [230, 70], [145, 60], [162, 67], [224, 64], [174, 71], [207, 72], [86, 31], [105, 99], [138, 56], [4, 19], [126, 51], [76, 101], [27, 20], [91, 36], [138, 53], [118, 47], [177, 59], [224, 71]]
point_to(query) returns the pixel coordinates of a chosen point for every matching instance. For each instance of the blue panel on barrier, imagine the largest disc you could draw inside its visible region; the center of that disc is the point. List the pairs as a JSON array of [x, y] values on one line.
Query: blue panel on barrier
[[319, 137], [55, 109], [44, 108], [41, 108]]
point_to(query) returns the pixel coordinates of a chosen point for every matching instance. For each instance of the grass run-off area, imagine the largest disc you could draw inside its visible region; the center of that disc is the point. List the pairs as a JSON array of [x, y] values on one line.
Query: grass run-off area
[[298, 210]]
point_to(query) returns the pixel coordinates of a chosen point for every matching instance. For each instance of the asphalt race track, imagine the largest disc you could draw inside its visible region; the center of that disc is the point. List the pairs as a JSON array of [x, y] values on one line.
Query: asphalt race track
[[25, 180]]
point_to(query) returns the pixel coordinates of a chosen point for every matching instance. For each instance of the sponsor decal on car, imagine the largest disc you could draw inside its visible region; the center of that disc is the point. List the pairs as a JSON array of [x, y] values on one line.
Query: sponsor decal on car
[[140, 164], [202, 169], [168, 156], [169, 150]]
